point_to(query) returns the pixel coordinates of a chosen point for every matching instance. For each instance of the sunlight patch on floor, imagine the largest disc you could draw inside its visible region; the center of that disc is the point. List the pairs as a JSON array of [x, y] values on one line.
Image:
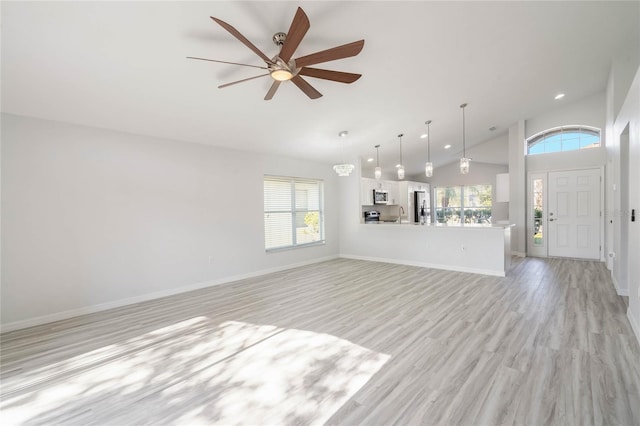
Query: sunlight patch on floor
[[296, 376], [121, 371], [198, 372]]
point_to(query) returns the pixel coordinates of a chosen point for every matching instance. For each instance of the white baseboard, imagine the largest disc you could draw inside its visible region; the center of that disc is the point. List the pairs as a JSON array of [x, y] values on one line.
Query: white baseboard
[[620, 291], [634, 325], [44, 319], [518, 253], [427, 265]]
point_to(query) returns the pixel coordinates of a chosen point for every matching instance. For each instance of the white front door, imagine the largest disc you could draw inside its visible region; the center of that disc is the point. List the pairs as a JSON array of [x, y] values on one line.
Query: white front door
[[574, 214]]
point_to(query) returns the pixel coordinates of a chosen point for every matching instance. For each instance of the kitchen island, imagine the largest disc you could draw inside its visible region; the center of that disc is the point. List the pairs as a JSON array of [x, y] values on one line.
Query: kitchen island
[[476, 248]]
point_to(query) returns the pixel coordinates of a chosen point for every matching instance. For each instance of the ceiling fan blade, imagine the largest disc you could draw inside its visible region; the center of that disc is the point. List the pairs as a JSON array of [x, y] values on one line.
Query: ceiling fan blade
[[272, 90], [243, 39], [339, 76], [340, 52], [299, 27], [240, 81], [225, 62], [306, 87]]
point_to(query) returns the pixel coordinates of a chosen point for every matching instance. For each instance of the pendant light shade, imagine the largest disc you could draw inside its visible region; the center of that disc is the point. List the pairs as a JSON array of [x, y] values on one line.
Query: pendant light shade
[[343, 169], [428, 166], [464, 165], [401, 166], [464, 161], [428, 169], [401, 172], [378, 171]]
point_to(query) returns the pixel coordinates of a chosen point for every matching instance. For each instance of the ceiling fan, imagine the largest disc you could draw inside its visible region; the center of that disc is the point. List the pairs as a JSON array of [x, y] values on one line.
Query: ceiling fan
[[283, 68]]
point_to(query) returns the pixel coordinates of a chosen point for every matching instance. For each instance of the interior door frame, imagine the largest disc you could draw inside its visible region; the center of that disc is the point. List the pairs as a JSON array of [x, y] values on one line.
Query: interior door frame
[[544, 252]]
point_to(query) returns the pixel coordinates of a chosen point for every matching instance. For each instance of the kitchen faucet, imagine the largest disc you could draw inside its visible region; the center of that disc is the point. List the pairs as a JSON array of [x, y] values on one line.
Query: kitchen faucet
[[400, 213]]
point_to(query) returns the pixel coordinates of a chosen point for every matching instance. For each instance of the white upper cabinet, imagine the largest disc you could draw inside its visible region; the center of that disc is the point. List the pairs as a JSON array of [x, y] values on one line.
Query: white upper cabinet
[[394, 192]]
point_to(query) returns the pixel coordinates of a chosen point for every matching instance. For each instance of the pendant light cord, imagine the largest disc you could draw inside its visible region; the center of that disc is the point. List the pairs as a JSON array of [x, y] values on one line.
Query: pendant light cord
[[429, 141], [464, 145]]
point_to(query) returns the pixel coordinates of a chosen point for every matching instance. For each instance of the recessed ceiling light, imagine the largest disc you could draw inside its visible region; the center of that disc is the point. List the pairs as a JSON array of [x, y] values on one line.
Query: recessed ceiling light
[[369, 159], [559, 96], [447, 146], [343, 133], [423, 136], [398, 165]]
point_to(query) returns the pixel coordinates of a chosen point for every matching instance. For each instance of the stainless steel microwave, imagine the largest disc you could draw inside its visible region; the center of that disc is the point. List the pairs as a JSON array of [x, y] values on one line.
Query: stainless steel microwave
[[380, 196]]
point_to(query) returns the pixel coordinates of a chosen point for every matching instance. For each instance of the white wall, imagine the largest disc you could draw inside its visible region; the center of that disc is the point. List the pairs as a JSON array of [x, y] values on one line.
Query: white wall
[[629, 115], [584, 158], [587, 111], [93, 218], [479, 173], [517, 188], [623, 71]]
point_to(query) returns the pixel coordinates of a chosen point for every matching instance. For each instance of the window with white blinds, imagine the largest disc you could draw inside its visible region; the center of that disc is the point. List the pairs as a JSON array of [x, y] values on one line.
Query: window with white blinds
[[293, 212]]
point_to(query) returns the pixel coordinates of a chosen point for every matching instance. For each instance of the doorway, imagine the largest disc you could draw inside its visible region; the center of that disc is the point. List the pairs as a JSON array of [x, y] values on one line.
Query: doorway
[[621, 218], [565, 214]]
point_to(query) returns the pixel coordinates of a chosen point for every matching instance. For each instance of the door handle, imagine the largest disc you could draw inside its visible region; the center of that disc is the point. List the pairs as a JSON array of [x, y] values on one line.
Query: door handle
[[551, 220]]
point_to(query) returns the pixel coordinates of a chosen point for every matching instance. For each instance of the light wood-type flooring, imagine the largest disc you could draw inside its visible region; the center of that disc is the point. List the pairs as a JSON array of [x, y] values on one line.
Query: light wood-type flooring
[[341, 342]]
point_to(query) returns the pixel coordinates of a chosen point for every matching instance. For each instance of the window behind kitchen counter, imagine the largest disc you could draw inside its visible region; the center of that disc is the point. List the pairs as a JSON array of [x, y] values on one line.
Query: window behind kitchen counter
[[473, 202], [293, 212]]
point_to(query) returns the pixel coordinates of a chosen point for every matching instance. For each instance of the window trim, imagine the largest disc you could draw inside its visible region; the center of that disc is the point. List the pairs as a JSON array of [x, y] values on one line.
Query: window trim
[[540, 137], [293, 211]]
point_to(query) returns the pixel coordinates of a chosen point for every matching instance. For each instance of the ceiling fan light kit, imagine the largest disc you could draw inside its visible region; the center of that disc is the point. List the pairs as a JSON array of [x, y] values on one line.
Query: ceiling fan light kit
[[283, 68], [281, 75]]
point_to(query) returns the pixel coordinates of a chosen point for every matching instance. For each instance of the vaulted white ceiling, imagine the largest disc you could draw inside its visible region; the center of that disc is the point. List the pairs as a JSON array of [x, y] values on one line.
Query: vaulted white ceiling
[[122, 66]]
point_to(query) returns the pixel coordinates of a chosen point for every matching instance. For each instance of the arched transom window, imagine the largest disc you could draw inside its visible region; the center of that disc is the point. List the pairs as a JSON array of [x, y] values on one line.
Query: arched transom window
[[564, 138]]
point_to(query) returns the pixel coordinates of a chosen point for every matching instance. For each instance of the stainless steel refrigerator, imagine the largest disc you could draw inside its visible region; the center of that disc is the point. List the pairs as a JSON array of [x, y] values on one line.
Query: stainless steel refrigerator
[[421, 206]]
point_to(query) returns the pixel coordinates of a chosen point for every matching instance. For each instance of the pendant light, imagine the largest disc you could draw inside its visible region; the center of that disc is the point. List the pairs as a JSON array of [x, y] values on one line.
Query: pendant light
[[400, 166], [464, 161], [378, 172], [428, 166], [345, 168]]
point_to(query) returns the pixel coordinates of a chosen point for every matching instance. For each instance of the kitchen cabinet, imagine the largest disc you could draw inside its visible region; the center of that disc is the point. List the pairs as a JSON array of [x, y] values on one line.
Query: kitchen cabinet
[[404, 190], [367, 186], [366, 192], [394, 191]]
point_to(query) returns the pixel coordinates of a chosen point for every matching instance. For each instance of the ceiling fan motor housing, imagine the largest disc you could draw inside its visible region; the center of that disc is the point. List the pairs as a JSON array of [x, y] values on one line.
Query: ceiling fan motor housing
[[279, 38]]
